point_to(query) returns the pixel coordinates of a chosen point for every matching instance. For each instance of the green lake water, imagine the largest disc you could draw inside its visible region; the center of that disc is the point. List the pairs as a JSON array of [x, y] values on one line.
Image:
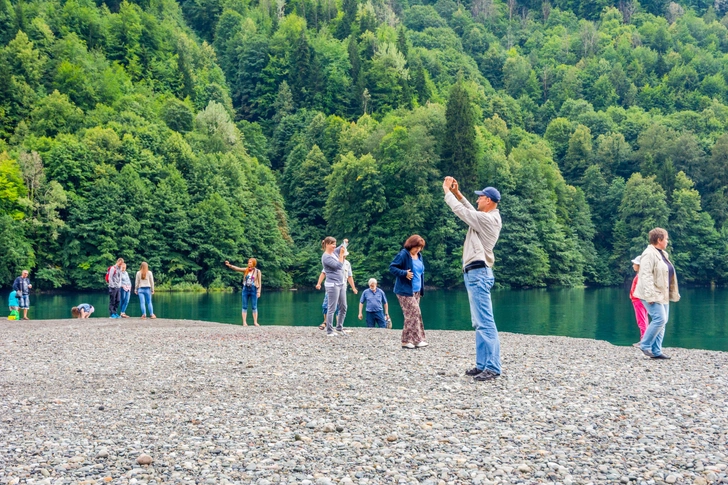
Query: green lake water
[[699, 320]]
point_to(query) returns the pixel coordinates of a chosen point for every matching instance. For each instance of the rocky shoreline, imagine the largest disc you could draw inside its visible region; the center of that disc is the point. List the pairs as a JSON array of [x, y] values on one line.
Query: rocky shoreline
[[83, 401]]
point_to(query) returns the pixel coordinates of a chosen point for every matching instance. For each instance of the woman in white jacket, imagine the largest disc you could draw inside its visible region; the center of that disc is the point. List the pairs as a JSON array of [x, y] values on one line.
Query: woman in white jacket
[[656, 287]]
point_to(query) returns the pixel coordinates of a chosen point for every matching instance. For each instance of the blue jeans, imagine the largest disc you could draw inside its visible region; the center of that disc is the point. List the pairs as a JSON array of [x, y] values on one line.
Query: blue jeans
[[24, 301], [652, 339], [145, 299], [487, 344], [376, 319], [252, 293], [125, 296]]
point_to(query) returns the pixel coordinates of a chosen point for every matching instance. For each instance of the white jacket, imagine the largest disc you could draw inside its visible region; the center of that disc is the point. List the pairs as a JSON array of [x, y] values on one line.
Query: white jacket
[[653, 284]]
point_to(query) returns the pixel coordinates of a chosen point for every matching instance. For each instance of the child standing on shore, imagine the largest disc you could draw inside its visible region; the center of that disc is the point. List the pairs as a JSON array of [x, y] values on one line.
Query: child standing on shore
[[639, 309], [14, 305]]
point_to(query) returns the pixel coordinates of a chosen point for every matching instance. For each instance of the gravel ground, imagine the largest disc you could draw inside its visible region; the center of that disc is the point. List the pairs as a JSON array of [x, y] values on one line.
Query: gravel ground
[[86, 402]]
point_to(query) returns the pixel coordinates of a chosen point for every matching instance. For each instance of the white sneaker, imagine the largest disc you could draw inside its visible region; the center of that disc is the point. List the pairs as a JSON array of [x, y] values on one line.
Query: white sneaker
[[422, 344], [332, 334], [408, 346]]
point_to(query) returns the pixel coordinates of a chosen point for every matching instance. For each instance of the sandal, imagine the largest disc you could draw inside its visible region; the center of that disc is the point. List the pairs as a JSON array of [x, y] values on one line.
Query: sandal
[[143, 317], [153, 316], [322, 326]]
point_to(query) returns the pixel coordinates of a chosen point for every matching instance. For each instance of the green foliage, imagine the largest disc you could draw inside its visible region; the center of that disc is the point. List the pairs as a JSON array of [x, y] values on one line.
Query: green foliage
[[127, 136]]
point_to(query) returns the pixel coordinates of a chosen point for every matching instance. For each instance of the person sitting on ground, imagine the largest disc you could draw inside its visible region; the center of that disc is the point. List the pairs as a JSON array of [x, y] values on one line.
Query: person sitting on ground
[[14, 305], [84, 310], [377, 306]]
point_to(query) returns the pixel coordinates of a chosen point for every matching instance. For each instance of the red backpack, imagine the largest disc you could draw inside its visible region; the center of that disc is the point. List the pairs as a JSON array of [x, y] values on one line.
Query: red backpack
[[107, 273]]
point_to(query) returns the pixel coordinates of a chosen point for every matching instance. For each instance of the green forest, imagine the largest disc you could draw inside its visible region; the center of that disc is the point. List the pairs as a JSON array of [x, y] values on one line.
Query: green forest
[[193, 132]]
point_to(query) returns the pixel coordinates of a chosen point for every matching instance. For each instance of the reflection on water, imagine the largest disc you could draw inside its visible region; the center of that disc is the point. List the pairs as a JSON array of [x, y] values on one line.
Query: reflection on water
[[699, 320]]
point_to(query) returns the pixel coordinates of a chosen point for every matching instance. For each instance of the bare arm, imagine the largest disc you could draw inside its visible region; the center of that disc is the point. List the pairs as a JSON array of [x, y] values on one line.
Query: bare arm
[[234, 268], [361, 307], [322, 276], [353, 286], [386, 309]]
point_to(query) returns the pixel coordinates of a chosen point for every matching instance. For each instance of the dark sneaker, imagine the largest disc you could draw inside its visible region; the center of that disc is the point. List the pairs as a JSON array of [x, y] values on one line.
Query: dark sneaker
[[662, 357], [648, 353], [473, 372], [486, 375]]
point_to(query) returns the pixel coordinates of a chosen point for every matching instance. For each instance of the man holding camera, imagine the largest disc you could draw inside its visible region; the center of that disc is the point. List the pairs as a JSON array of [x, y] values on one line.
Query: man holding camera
[[484, 225]]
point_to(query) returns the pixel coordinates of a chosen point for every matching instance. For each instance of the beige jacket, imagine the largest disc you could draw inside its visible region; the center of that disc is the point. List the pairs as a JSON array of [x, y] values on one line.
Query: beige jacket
[[147, 283], [653, 283], [483, 230]]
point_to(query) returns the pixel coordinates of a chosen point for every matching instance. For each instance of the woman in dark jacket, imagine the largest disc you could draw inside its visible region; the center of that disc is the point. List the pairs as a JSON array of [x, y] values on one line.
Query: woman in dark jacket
[[409, 268]]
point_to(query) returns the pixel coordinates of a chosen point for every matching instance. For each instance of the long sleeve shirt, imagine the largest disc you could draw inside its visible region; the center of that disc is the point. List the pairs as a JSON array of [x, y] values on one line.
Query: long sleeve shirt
[[144, 283], [333, 268], [483, 230]]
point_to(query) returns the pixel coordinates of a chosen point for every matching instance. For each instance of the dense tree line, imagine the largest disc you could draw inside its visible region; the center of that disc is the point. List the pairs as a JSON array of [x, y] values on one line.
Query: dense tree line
[[188, 133]]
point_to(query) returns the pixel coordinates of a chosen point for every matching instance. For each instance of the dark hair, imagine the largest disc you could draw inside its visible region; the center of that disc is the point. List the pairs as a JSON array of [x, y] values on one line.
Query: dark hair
[[657, 235], [327, 240], [414, 241]]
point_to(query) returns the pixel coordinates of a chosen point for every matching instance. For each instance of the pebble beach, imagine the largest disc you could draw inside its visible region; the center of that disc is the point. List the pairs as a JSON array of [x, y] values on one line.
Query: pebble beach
[[172, 401]]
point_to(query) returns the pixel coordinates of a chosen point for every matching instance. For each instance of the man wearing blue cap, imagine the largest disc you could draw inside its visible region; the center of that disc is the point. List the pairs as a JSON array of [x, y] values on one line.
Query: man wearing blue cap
[[484, 225]]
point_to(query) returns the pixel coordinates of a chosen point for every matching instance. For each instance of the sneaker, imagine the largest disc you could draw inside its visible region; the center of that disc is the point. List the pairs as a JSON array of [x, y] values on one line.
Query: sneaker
[[473, 372], [662, 357], [636, 344], [115, 316], [422, 344], [486, 375], [408, 346], [332, 334], [648, 353]]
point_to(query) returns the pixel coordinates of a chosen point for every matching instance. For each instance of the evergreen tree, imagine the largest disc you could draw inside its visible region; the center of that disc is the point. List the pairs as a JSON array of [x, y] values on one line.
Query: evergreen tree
[[643, 207], [459, 152]]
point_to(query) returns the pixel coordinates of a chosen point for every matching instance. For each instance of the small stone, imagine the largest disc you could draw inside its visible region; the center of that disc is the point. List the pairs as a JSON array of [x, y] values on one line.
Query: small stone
[[144, 459], [671, 479], [523, 468], [339, 429], [700, 481], [329, 428], [392, 437], [101, 408], [103, 453]]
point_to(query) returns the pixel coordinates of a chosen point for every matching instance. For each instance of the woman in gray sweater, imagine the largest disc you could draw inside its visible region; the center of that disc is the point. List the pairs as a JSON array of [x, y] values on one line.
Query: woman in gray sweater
[[333, 263]]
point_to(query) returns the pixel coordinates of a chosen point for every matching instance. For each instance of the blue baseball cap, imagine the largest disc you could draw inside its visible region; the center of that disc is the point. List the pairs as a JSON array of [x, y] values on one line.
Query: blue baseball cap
[[490, 192]]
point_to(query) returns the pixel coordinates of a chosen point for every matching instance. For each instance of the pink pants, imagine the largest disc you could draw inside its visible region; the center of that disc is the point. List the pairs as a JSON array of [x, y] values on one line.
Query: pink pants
[[641, 313]]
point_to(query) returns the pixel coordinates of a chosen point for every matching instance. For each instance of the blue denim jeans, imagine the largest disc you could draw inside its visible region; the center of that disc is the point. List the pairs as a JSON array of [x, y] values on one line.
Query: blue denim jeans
[[652, 339], [479, 282], [24, 301], [250, 292], [376, 319], [125, 296], [145, 299]]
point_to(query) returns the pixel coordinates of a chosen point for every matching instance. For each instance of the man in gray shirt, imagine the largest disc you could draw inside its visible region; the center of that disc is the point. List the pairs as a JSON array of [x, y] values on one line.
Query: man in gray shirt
[[484, 225]]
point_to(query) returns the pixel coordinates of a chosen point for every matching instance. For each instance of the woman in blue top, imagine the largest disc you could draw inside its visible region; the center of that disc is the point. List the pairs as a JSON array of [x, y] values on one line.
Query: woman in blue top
[[409, 268]]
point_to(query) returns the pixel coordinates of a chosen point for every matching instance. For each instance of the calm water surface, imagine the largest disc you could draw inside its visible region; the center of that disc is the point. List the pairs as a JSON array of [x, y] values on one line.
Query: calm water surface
[[699, 320]]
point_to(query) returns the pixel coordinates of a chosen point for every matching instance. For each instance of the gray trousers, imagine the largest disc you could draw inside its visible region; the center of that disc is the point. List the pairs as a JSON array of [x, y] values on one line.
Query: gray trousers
[[337, 298]]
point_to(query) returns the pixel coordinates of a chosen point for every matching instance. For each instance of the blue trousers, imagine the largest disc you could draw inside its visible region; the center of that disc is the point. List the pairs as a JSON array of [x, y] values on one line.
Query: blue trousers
[[652, 339], [145, 300], [376, 319], [250, 292], [487, 344], [125, 297]]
